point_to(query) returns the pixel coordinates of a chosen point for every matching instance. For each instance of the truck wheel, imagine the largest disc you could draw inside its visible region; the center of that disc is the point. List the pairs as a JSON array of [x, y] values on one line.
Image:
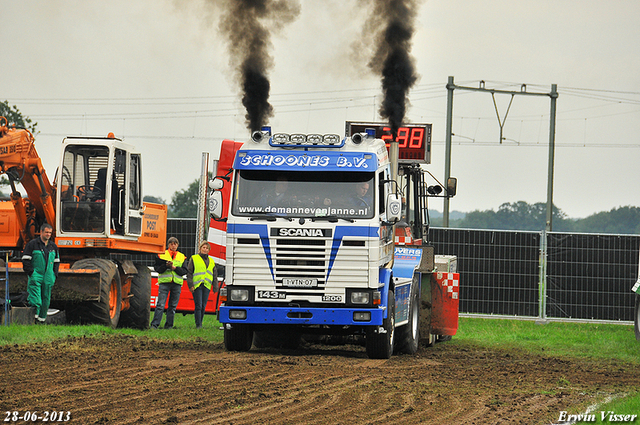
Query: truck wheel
[[106, 311], [636, 318], [379, 341], [238, 337], [137, 316], [409, 334]]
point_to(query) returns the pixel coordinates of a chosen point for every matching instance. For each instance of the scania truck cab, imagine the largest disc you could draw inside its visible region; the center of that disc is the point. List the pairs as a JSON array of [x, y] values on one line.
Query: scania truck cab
[[310, 244]]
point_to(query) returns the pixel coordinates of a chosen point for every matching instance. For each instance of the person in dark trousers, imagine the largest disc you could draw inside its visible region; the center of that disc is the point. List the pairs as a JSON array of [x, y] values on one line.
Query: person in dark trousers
[[170, 272], [201, 278], [41, 261]]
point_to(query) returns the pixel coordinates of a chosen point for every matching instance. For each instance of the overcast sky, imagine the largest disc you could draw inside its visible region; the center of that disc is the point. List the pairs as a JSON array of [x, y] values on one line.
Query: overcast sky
[[157, 74]]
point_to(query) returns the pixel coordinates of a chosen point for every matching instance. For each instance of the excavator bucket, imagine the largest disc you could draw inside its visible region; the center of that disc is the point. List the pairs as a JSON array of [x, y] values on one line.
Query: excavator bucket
[[72, 285]]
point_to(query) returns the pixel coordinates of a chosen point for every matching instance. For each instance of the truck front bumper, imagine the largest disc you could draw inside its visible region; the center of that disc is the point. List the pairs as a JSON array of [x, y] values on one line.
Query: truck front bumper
[[301, 316]]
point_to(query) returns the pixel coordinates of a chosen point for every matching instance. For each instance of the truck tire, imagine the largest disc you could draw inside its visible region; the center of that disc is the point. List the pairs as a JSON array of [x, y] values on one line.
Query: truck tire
[[380, 344], [408, 338], [137, 316], [238, 337], [106, 311], [636, 318]]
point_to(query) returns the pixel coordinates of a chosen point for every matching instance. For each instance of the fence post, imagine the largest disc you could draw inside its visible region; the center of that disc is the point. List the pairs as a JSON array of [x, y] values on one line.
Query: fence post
[[542, 280]]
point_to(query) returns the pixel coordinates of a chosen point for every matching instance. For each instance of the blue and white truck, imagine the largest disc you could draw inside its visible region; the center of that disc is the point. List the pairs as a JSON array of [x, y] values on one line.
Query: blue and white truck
[[311, 246]]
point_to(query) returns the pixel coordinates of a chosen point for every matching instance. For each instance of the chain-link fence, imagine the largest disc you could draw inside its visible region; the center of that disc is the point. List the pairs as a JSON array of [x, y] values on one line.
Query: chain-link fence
[[545, 275], [590, 276]]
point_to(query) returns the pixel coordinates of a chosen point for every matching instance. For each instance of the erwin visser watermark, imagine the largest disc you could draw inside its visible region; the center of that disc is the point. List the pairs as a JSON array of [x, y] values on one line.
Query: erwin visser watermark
[[605, 416]]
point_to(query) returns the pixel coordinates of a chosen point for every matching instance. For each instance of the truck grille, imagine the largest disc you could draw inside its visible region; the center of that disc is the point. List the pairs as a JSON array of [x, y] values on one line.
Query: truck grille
[[300, 263]]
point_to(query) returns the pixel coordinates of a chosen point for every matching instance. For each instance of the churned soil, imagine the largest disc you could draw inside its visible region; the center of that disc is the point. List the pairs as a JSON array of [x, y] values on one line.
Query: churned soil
[[119, 379]]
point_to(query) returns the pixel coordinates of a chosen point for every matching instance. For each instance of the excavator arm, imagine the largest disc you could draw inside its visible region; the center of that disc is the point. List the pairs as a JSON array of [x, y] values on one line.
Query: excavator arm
[[20, 161]]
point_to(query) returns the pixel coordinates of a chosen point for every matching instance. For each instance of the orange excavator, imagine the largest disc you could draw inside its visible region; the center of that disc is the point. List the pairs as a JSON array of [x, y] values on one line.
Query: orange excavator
[[99, 219]]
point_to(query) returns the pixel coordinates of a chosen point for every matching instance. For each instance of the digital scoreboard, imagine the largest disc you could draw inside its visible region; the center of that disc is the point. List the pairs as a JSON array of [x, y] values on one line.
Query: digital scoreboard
[[414, 140]]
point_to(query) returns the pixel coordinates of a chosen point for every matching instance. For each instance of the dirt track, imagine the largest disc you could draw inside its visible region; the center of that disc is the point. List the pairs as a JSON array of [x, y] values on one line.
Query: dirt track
[[123, 379]]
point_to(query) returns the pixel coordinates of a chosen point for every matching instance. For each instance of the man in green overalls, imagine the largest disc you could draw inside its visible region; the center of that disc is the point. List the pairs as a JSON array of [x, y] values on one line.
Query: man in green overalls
[[40, 261]]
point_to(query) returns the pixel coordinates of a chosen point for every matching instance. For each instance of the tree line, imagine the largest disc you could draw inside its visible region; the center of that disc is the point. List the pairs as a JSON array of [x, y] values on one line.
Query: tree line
[[523, 216]]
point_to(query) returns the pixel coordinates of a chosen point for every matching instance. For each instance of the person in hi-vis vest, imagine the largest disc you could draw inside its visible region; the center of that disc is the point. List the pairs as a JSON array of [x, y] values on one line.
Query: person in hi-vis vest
[[201, 278], [170, 271]]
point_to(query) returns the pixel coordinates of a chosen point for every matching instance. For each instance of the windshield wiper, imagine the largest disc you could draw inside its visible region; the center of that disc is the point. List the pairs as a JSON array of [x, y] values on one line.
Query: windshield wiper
[[332, 219], [267, 216]]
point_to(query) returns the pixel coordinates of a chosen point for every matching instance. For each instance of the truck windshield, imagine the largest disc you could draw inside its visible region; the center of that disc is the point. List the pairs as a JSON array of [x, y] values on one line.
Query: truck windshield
[[304, 194]]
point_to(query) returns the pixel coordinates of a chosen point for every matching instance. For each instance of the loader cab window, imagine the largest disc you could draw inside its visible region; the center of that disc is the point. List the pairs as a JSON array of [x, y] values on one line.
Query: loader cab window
[[118, 183], [134, 216], [82, 188], [135, 200]]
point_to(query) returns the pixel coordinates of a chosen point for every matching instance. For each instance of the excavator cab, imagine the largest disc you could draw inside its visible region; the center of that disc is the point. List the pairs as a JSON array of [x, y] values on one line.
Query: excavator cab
[[99, 188]]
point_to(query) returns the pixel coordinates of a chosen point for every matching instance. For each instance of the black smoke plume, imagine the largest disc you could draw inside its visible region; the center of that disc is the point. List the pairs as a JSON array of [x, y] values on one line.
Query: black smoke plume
[[248, 25], [393, 20]]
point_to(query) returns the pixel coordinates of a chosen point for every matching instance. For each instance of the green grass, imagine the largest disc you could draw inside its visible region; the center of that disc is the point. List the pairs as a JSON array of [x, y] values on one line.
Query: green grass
[[185, 331], [621, 406], [576, 340]]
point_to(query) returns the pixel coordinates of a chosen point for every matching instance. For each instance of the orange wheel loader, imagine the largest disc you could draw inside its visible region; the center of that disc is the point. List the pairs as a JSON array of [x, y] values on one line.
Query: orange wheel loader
[[99, 220]]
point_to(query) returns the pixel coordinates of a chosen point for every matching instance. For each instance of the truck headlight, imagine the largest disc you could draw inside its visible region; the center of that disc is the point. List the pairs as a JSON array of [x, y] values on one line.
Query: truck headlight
[[237, 294], [360, 297]]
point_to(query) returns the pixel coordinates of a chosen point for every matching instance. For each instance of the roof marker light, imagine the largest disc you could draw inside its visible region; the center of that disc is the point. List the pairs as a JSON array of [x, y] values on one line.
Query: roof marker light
[[298, 139], [280, 139], [306, 140]]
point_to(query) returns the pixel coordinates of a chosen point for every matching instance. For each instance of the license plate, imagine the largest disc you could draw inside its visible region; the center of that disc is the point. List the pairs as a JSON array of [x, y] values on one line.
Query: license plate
[[300, 283]]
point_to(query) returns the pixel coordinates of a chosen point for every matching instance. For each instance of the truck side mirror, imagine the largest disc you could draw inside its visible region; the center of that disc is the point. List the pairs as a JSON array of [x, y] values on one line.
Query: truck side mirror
[[452, 185], [216, 184], [394, 207], [215, 204]]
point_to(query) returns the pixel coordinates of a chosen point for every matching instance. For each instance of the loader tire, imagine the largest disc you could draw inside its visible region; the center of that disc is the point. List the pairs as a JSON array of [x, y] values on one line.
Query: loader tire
[[106, 311], [238, 337], [379, 343], [636, 318], [137, 316], [408, 339]]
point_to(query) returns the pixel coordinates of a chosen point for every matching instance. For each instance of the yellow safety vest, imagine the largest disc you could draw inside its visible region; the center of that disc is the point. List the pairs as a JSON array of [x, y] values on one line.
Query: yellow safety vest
[[202, 273], [170, 275]]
